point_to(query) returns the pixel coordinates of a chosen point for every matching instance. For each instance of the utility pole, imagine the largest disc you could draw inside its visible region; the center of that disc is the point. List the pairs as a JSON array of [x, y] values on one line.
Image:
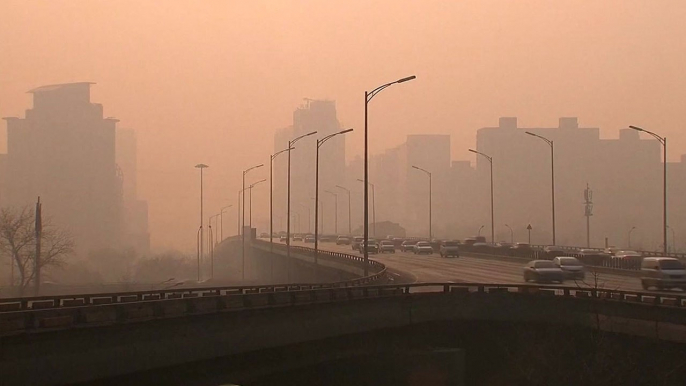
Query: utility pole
[[39, 234], [588, 202]]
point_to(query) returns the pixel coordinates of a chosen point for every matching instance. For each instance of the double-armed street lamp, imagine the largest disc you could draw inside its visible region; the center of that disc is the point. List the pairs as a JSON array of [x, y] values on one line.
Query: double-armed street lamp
[[271, 197], [202, 235], [428, 173], [350, 228], [663, 141], [288, 204], [335, 210], [243, 219], [552, 173], [490, 161], [320, 142], [368, 96]]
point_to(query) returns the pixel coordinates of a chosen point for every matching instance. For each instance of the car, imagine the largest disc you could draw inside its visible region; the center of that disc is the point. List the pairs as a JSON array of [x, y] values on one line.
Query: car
[[423, 247], [572, 268], [553, 251], [283, 238], [386, 246], [356, 242], [343, 240], [449, 249], [663, 273], [504, 246], [397, 241], [309, 239], [326, 239], [543, 271], [521, 246], [610, 251], [297, 238], [264, 235], [407, 245], [372, 246], [627, 255]]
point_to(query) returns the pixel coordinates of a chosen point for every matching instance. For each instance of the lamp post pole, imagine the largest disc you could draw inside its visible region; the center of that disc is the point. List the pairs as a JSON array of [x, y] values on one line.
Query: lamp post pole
[[490, 161], [511, 234], [212, 245], [630, 230], [663, 141], [335, 209], [250, 202], [288, 204], [202, 235], [480, 228], [552, 174], [428, 173], [350, 228], [320, 142], [243, 220], [373, 207], [368, 96], [271, 198]]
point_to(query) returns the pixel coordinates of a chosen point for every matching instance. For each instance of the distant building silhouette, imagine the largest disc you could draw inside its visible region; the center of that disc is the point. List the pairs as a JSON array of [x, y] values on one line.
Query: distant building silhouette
[[64, 151], [320, 116], [135, 211]]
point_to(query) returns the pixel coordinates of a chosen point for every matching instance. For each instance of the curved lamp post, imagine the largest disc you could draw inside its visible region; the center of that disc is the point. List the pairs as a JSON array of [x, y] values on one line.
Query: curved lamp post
[[243, 218], [552, 173], [490, 161], [271, 197], [511, 234], [663, 141], [350, 228], [368, 96]]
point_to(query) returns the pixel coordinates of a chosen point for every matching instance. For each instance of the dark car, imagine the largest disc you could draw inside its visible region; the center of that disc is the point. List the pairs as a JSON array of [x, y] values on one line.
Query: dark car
[[572, 268], [356, 242], [372, 246], [450, 249], [552, 251], [543, 271], [407, 245], [343, 240]]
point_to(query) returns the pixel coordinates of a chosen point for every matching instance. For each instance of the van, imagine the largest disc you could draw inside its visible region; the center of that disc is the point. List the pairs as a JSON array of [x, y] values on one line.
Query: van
[[663, 273]]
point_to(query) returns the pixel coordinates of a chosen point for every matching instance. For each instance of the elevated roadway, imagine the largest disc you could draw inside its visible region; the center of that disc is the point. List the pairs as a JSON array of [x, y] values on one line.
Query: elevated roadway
[[406, 266]]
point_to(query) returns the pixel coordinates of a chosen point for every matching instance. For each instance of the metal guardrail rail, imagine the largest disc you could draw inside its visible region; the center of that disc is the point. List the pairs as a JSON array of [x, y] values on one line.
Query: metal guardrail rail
[[59, 301], [145, 306]]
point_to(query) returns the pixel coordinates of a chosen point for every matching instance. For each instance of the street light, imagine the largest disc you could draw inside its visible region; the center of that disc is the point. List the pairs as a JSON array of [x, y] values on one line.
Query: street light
[[552, 174], [368, 96], [243, 219], [673, 239], [250, 202], [428, 174], [212, 246], [663, 141], [221, 219], [201, 250], [335, 215], [350, 228], [511, 234], [480, 228], [271, 197], [490, 161], [373, 207], [630, 230], [320, 142], [288, 205]]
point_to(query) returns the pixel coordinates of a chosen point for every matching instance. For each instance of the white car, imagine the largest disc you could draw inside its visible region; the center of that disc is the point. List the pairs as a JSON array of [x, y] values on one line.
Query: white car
[[423, 247], [572, 268]]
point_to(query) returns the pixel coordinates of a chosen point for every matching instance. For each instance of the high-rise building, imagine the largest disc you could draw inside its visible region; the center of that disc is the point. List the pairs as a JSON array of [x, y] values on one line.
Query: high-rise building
[[64, 152], [320, 116], [135, 231]]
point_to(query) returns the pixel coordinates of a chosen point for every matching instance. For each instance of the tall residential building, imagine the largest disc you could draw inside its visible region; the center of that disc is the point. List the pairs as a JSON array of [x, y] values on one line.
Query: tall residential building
[[320, 116], [135, 231], [64, 152]]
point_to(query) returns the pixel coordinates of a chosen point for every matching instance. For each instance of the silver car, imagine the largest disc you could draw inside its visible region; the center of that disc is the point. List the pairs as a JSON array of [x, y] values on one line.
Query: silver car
[[423, 247], [663, 273], [572, 268], [543, 271]]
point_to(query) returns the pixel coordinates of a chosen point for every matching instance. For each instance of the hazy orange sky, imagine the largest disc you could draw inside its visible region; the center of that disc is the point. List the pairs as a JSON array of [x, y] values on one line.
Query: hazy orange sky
[[211, 81]]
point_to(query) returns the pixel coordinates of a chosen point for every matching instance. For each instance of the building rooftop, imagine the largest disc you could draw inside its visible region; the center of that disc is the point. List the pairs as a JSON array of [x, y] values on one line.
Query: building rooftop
[[62, 86]]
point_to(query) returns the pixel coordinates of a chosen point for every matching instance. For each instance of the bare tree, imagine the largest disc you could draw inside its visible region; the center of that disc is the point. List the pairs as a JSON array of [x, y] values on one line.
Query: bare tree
[[18, 242]]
